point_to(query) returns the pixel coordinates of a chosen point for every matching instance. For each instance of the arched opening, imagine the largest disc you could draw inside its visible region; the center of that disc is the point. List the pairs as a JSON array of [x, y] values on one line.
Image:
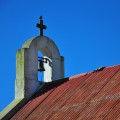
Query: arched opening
[[40, 71], [46, 59], [44, 65], [54, 66]]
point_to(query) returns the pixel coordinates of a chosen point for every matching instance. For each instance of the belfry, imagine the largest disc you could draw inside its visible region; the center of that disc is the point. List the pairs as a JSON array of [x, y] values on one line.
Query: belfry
[[29, 63]]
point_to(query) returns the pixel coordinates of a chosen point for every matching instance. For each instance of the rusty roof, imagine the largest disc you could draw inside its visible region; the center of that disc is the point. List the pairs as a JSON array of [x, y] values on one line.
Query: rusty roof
[[89, 96]]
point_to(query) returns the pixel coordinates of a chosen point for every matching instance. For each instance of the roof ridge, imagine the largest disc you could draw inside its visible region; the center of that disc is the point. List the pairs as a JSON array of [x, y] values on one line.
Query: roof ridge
[[79, 75], [113, 66], [86, 73]]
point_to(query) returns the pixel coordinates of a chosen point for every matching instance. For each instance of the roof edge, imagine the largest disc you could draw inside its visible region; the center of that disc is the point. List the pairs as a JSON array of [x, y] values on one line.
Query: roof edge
[[10, 110], [86, 73]]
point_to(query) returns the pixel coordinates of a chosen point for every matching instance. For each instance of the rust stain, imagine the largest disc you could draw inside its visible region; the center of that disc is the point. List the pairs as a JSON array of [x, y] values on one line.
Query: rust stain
[[89, 96]]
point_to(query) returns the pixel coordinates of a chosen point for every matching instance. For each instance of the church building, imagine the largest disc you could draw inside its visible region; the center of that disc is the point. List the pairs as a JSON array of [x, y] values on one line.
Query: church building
[[93, 95]]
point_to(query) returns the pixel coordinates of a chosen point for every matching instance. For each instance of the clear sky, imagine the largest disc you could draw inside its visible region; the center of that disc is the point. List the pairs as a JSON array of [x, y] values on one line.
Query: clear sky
[[87, 33]]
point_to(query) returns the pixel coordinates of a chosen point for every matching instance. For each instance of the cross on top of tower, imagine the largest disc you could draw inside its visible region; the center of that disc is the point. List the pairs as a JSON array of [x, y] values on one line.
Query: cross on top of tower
[[41, 26]]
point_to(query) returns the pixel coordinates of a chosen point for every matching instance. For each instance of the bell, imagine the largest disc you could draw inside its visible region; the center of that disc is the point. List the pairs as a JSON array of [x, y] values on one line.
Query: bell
[[40, 66]]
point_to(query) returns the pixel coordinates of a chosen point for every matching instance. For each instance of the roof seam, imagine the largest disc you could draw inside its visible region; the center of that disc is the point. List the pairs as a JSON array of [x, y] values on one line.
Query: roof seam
[[111, 109], [19, 115], [87, 102], [66, 100], [112, 89], [39, 104]]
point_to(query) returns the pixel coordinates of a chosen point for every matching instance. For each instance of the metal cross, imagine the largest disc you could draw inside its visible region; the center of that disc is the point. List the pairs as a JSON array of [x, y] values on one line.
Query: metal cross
[[41, 26]]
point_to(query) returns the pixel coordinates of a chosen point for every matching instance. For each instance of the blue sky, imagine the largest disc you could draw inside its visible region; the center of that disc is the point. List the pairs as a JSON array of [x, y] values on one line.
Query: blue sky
[[87, 33]]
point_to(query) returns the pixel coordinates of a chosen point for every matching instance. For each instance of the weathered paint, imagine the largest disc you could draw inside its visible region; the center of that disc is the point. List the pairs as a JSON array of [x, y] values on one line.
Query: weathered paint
[[89, 96]]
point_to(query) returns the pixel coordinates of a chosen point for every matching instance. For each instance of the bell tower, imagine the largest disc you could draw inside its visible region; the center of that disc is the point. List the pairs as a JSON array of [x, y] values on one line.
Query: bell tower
[[28, 63]]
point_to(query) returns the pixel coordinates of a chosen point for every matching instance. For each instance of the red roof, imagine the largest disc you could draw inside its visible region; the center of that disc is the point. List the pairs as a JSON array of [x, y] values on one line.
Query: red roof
[[89, 96]]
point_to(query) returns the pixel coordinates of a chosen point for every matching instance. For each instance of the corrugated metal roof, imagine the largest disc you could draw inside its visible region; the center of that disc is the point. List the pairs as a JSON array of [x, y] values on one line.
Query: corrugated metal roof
[[89, 96]]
